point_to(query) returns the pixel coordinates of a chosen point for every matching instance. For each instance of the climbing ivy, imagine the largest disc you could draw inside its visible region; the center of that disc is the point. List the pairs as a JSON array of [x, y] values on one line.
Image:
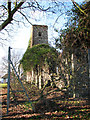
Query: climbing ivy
[[39, 55]]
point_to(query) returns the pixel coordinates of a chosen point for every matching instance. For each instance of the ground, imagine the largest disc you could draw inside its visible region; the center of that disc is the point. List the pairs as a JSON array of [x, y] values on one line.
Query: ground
[[52, 105]]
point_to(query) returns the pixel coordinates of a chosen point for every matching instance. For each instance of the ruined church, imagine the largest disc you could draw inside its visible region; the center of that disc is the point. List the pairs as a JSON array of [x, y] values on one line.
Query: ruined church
[[39, 35]]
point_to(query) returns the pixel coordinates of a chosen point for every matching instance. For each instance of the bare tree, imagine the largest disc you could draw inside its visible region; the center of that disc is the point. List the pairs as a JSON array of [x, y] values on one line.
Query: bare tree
[[15, 57], [20, 11], [15, 12]]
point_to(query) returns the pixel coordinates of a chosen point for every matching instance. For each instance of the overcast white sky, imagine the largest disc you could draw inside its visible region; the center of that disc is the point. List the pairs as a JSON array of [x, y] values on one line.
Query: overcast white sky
[[21, 38]]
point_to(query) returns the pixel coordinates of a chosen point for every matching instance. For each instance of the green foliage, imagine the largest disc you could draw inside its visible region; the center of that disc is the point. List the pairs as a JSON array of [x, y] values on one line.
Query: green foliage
[[75, 40], [39, 55], [76, 35], [77, 32]]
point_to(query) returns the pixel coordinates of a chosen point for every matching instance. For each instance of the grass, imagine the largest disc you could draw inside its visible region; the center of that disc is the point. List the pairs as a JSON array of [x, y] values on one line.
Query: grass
[[3, 85]]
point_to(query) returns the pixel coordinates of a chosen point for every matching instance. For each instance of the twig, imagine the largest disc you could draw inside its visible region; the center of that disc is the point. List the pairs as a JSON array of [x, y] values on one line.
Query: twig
[[25, 17]]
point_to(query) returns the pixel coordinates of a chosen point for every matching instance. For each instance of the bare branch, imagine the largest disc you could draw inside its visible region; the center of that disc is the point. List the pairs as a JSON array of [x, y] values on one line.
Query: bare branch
[[76, 5], [57, 19], [41, 7], [3, 7], [18, 22], [25, 17], [7, 21]]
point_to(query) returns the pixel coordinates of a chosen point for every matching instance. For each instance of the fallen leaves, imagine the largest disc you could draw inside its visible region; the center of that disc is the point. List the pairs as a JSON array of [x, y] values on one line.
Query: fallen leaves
[[51, 107]]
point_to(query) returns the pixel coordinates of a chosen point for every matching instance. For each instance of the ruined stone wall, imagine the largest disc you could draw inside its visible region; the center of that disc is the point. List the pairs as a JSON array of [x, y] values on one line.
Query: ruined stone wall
[[38, 77]]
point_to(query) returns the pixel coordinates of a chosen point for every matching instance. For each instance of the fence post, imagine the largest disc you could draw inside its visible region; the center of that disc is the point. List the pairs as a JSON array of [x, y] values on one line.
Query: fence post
[[89, 74], [89, 61], [22, 85], [8, 83]]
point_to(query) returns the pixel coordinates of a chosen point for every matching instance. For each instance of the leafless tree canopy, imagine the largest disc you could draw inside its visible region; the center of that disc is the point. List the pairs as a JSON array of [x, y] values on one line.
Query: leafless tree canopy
[[20, 11], [15, 58]]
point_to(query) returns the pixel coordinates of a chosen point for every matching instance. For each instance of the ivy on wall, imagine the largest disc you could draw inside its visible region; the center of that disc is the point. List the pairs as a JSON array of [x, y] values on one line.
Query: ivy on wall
[[39, 55]]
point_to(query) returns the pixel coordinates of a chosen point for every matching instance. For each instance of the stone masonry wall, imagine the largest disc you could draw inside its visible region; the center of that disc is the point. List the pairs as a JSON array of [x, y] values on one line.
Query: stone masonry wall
[[39, 35]]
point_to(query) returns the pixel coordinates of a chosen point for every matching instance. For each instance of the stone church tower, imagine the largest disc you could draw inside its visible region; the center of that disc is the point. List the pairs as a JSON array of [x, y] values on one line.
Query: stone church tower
[[39, 35]]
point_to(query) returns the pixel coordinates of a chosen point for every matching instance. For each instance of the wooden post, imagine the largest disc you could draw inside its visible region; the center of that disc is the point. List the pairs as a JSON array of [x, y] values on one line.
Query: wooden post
[[89, 61], [8, 85], [89, 74]]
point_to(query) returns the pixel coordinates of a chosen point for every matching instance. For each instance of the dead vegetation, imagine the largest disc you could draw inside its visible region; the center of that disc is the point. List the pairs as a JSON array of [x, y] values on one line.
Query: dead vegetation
[[53, 104]]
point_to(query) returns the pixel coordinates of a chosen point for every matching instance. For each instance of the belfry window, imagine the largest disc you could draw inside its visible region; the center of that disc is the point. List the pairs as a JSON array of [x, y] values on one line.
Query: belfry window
[[39, 34]]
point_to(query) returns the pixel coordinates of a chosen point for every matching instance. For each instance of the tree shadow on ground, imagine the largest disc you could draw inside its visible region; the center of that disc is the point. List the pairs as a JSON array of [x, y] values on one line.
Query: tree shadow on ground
[[49, 109], [46, 105]]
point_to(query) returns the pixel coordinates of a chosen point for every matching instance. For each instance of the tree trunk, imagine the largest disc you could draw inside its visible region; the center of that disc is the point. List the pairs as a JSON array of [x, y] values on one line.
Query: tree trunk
[[89, 74], [40, 82], [36, 79], [72, 64], [32, 79], [8, 20]]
